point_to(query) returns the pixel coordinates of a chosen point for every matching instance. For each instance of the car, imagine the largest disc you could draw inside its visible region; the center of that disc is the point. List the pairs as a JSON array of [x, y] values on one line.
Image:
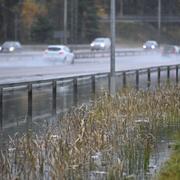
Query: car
[[10, 46], [59, 53], [150, 45], [100, 44], [170, 50]]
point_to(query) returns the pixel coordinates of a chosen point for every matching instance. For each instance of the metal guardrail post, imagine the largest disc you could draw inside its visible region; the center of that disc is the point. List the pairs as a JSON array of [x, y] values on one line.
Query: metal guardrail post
[[137, 79], [109, 82], [148, 78], [177, 74], [29, 118], [54, 94], [159, 76], [93, 80], [75, 91], [124, 79], [1, 109], [168, 73]]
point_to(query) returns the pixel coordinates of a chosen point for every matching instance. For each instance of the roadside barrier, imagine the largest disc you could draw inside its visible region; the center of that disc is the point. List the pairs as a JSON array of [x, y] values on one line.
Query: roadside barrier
[[152, 76]]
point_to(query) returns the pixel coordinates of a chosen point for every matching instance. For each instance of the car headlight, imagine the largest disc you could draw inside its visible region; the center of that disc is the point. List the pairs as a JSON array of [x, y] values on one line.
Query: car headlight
[[144, 46], [92, 44], [152, 46], [0, 48], [11, 49], [102, 45]]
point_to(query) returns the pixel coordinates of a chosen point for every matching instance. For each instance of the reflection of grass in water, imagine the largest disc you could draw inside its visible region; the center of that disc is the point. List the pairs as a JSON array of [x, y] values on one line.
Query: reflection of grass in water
[[171, 169], [113, 136]]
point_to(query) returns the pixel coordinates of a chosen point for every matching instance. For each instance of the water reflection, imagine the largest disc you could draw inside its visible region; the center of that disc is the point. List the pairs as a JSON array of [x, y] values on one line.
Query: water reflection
[[15, 100]]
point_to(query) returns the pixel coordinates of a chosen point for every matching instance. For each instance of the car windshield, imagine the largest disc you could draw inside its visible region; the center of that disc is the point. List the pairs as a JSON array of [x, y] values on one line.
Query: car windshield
[[9, 44], [169, 48], [99, 40], [54, 48], [150, 43]]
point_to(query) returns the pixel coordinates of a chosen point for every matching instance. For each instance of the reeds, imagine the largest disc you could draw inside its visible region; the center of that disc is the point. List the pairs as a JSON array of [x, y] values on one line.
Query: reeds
[[111, 139]]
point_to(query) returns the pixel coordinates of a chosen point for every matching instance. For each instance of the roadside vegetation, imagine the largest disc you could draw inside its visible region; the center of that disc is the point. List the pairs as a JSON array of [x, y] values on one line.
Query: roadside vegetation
[[35, 21], [112, 138]]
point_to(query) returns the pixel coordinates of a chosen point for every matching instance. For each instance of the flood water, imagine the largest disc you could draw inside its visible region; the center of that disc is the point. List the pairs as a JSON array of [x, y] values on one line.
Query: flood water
[[15, 99]]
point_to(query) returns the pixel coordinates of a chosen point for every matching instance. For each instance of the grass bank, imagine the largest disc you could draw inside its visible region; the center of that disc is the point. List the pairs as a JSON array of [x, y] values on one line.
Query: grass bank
[[171, 169], [111, 138]]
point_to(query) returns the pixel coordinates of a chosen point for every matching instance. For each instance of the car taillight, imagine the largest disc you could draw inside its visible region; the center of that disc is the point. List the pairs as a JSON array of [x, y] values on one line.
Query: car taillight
[[61, 52], [174, 51]]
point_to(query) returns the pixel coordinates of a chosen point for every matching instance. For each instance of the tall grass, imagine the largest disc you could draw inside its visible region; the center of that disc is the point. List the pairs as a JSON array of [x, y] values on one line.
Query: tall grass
[[112, 138]]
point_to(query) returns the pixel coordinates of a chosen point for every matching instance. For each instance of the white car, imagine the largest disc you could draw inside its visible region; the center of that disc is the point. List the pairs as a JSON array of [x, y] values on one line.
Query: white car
[[101, 44], [150, 45], [59, 53]]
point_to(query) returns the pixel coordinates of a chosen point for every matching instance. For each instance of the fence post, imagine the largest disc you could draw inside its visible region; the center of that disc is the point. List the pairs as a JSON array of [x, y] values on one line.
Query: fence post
[[124, 79], [75, 91], [137, 79], [112, 84], [168, 73], [54, 94], [29, 118], [177, 74], [159, 76], [148, 78], [109, 82], [93, 80], [1, 109]]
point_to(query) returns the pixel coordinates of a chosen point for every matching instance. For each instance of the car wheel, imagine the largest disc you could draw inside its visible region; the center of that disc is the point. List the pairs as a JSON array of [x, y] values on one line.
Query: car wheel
[[68, 60], [72, 60], [65, 59]]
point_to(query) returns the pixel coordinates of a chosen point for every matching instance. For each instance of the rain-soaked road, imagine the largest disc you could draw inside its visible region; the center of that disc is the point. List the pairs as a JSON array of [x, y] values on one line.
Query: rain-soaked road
[[37, 67]]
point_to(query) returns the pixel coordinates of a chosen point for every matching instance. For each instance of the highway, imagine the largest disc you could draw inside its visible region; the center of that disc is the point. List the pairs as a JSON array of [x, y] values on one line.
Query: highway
[[24, 67]]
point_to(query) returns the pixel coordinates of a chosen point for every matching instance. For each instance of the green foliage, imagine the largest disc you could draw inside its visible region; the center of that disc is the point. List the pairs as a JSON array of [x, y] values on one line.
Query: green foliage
[[42, 29], [88, 19], [171, 169], [83, 23]]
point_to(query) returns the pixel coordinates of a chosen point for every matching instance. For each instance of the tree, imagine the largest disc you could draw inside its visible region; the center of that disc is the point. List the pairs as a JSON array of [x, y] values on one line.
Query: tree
[[42, 29], [88, 20], [83, 16], [121, 8], [7, 19], [30, 11]]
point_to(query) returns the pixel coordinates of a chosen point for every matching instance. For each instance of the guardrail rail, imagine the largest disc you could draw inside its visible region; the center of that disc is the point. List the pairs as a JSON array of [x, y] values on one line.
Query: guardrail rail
[[147, 75]]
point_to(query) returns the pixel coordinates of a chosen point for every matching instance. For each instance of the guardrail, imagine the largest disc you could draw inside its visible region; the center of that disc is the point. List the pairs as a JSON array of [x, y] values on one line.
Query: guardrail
[[78, 55], [95, 54], [39, 47], [147, 73], [128, 18]]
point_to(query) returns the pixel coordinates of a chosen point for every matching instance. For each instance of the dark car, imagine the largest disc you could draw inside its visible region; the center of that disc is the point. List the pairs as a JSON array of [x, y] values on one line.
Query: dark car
[[10, 46], [150, 45], [170, 50]]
